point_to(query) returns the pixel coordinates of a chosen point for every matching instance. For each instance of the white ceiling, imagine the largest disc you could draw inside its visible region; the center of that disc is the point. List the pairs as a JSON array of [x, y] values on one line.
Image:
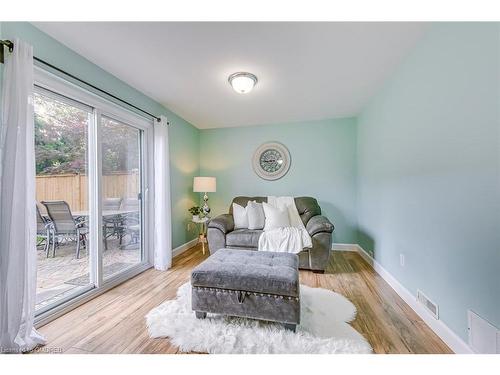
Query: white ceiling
[[306, 71]]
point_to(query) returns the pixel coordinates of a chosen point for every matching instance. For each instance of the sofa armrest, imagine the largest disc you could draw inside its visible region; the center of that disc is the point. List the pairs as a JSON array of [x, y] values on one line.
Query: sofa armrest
[[319, 224], [225, 223]]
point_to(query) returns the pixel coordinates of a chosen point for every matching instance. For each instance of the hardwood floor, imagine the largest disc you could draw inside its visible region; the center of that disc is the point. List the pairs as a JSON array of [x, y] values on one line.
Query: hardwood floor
[[114, 322]]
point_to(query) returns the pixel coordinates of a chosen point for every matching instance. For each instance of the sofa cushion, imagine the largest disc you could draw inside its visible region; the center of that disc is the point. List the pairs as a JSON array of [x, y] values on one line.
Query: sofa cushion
[[252, 271], [307, 208], [243, 238]]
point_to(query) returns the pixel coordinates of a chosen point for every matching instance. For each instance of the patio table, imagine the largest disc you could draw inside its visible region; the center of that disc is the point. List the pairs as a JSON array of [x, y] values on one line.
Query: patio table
[[105, 213], [112, 215]]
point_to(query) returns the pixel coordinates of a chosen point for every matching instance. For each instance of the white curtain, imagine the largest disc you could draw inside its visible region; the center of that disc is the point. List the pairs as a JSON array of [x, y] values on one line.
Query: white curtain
[[17, 204], [163, 222]]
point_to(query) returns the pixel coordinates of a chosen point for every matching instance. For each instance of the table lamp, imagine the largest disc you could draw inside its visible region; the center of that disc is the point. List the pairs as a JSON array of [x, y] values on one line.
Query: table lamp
[[205, 185]]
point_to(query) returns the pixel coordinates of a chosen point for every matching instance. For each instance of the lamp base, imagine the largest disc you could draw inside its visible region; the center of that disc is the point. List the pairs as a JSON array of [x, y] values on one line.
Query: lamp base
[[205, 208]]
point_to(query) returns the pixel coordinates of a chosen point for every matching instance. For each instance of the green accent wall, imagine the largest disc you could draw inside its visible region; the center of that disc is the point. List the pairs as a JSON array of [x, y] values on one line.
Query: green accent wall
[[323, 166], [429, 172], [184, 137]]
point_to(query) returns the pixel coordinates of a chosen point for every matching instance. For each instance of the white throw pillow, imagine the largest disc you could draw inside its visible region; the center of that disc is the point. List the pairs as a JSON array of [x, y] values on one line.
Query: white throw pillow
[[240, 216], [275, 218], [255, 213]]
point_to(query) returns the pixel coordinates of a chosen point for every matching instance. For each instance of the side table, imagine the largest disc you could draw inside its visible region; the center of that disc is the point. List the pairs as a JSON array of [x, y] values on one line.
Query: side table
[[202, 236]]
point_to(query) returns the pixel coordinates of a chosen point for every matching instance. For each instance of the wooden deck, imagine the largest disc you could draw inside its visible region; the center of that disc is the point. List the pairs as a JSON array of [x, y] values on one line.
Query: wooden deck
[[62, 275], [114, 322]]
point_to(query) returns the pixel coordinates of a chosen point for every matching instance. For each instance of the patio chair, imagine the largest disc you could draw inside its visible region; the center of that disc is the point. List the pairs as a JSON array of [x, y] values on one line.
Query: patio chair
[[111, 225], [44, 230], [64, 225], [111, 204], [130, 204], [130, 224]]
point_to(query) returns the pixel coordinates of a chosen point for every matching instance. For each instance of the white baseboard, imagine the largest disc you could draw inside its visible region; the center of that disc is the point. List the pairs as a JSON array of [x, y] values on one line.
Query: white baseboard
[[442, 330], [180, 249]]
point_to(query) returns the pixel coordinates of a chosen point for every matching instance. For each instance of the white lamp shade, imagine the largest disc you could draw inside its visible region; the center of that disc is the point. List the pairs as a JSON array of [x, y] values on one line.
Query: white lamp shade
[[204, 185]]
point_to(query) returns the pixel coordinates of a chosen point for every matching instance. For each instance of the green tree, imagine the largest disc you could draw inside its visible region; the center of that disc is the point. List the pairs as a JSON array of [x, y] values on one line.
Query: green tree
[[61, 139], [60, 136]]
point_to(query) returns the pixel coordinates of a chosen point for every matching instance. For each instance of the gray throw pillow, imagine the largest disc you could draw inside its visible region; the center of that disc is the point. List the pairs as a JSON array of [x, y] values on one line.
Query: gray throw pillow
[[256, 217]]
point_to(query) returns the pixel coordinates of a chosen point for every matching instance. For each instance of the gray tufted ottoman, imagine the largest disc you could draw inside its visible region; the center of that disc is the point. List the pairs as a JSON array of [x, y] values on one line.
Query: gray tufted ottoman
[[251, 284]]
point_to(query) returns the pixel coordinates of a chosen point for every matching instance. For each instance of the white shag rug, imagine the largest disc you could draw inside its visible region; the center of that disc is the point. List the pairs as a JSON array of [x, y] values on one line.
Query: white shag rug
[[323, 327]]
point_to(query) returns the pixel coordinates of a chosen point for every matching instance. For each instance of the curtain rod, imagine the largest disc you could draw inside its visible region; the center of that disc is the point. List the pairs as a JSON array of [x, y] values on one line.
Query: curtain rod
[[10, 45]]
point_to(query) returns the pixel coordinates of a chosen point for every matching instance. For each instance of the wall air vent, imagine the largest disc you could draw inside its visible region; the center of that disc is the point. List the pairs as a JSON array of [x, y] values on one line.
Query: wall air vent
[[428, 304]]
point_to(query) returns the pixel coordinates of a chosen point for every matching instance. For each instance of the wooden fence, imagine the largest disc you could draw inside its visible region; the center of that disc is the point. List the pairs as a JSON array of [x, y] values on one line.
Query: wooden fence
[[73, 188]]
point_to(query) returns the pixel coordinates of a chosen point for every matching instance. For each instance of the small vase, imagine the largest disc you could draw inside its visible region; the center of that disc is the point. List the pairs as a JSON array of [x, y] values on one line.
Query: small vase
[[196, 217]]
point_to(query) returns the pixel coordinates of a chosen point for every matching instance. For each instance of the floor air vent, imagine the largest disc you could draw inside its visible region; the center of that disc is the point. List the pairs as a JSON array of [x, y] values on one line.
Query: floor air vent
[[428, 304]]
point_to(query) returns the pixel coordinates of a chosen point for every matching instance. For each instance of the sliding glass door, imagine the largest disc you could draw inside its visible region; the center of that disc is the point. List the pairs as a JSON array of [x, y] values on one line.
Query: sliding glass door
[[121, 196], [94, 166], [61, 156]]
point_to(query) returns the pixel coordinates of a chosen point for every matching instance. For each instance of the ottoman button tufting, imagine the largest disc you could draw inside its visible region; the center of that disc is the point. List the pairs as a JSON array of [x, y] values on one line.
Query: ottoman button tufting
[[241, 296]]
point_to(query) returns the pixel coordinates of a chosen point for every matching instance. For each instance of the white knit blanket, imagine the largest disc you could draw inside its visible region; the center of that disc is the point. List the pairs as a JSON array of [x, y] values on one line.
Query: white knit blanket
[[292, 239]]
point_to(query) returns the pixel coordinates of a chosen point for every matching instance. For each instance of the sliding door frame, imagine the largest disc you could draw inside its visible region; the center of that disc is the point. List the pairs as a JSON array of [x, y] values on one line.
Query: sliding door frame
[[95, 199], [103, 107], [146, 184]]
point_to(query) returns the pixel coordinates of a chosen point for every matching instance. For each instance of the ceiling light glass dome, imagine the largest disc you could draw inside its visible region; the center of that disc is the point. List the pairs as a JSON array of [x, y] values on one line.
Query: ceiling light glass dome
[[242, 82]]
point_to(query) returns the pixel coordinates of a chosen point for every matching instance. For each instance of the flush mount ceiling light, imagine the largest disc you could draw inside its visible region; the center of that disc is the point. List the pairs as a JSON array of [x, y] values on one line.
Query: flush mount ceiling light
[[242, 82]]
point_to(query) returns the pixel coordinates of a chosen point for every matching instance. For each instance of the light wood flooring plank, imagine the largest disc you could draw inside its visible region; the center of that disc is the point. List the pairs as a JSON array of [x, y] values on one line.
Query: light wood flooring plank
[[114, 322]]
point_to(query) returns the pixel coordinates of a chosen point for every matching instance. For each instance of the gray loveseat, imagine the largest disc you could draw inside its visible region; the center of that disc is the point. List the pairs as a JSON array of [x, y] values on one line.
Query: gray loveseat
[[221, 233]]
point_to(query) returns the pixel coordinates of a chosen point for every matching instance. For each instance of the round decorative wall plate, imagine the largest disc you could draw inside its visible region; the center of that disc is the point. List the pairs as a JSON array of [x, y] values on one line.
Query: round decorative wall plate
[[271, 161]]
